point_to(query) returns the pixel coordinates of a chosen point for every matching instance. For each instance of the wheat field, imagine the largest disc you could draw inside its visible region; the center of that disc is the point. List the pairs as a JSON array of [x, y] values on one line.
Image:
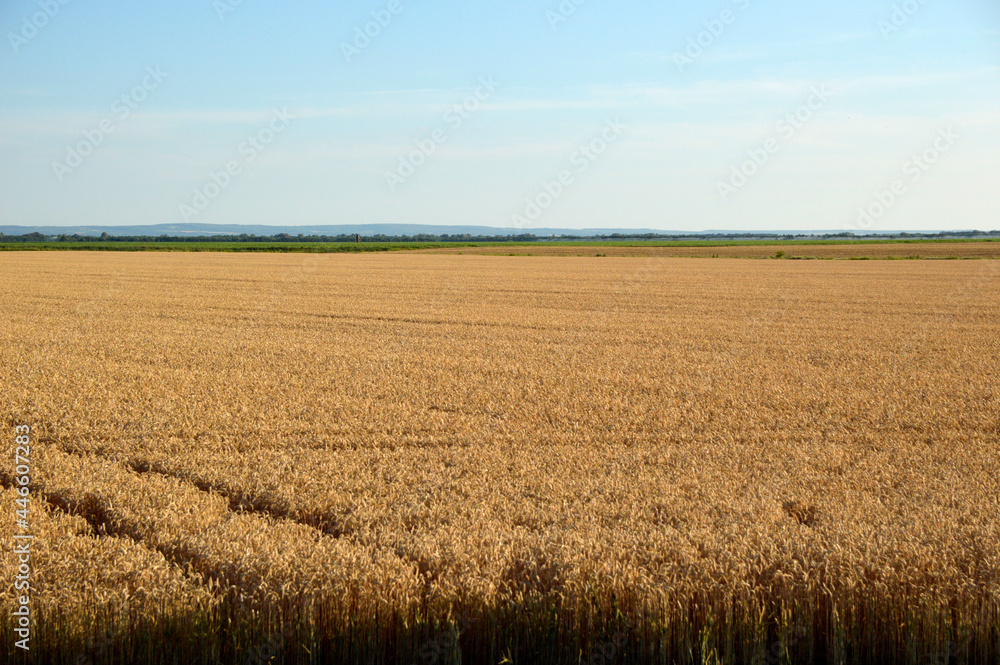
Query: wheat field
[[845, 250], [482, 459]]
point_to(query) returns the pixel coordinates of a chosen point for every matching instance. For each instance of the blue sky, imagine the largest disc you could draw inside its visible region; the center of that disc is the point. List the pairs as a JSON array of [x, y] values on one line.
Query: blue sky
[[737, 115]]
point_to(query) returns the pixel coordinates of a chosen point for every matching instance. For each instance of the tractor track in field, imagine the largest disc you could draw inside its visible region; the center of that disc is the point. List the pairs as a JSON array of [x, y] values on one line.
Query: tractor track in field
[[103, 526], [100, 514], [240, 501]]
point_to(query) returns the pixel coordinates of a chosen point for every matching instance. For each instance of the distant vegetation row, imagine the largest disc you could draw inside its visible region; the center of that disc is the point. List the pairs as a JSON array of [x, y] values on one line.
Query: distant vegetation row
[[519, 238]]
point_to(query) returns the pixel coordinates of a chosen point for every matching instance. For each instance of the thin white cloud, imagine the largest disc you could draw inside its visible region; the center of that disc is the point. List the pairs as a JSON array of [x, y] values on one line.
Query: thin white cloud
[[505, 99], [724, 53], [24, 92]]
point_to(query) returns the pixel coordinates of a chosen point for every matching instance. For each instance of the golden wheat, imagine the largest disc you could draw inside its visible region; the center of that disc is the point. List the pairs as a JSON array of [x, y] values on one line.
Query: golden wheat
[[690, 460], [888, 250]]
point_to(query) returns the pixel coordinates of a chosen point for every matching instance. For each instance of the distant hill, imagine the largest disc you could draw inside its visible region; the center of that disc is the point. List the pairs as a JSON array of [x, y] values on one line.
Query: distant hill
[[428, 232], [332, 230]]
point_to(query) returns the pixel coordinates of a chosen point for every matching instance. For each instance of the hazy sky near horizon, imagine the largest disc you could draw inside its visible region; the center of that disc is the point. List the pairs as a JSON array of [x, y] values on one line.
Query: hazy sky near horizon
[[730, 114]]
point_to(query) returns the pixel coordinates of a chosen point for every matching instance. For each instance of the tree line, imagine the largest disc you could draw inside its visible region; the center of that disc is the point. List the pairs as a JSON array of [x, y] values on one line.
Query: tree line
[[466, 237]]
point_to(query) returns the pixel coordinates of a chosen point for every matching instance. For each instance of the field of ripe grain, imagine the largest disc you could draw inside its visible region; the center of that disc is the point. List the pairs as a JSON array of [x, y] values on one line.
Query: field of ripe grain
[[481, 459], [888, 250]]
